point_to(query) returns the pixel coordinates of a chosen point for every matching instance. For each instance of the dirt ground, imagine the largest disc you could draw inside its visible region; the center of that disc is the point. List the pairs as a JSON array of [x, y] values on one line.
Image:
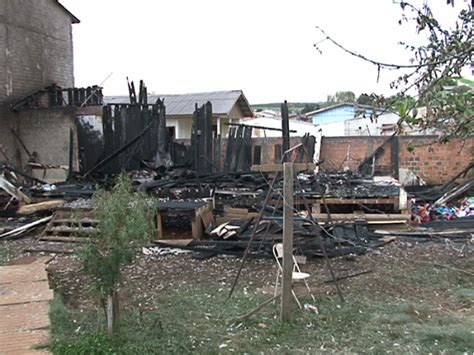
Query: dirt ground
[[392, 270]]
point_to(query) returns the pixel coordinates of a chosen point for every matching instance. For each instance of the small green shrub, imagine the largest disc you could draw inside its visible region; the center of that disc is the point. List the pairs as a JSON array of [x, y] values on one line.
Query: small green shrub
[[125, 223]]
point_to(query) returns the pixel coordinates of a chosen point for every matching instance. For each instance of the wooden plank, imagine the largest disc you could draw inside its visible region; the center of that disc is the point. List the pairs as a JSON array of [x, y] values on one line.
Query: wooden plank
[[159, 226], [177, 242], [50, 223], [204, 208], [426, 232], [205, 214], [72, 230], [237, 192], [23, 229], [22, 273], [48, 238], [393, 221], [40, 207], [76, 221], [279, 167], [372, 217], [406, 210], [359, 216], [316, 208], [25, 292], [197, 222], [207, 218], [231, 210], [240, 216], [352, 201], [13, 191], [458, 190], [23, 317], [233, 217], [287, 279], [196, 228]]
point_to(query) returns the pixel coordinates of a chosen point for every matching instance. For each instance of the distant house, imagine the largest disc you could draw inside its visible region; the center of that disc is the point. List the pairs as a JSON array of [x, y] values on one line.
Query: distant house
[[341, 112], [352, 119], [301, 127], [267, 113], [227, 107]]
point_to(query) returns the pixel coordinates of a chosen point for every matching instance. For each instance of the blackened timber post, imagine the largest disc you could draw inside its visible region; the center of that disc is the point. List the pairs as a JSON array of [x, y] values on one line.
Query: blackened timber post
[[285, 125], [195, 139], [395, 157], [71, 154], [207, 138], [229, 149]]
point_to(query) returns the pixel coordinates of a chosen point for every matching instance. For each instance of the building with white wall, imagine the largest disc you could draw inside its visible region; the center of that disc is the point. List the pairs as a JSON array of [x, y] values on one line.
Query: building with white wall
[[300, 127]]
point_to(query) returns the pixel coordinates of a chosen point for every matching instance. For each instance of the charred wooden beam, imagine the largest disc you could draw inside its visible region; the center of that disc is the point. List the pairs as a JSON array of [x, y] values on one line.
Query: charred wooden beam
[[285, 125]]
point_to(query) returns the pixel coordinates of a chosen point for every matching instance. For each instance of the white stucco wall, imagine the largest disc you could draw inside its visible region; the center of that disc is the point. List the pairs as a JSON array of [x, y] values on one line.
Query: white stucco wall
[[366, 127], [359, 126], [184, 125]]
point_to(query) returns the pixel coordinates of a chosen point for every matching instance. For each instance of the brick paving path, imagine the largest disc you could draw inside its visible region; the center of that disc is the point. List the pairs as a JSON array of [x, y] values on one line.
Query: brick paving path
[[24, 307]]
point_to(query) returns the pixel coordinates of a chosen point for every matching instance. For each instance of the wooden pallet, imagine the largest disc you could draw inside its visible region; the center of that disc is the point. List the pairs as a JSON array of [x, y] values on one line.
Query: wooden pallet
[[370, 218], [365, 209], [73, 226]]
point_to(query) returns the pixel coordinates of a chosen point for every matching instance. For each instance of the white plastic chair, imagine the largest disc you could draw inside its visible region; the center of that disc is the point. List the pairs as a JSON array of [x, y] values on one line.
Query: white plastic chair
[[297, 274]]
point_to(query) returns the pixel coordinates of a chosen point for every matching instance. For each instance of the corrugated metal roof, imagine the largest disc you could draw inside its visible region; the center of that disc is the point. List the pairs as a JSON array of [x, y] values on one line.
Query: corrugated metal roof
[[184, 104], [352, 104]]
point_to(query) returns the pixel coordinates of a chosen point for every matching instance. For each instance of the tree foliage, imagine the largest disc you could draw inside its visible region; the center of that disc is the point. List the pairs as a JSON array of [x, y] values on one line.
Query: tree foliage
[[434, 75], [125, 222], [341, 97], [310, 107], [366, 99]]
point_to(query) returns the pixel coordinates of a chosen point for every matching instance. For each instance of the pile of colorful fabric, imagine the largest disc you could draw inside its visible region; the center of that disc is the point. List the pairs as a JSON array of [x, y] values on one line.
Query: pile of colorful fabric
[[428, 212], [467, 207]]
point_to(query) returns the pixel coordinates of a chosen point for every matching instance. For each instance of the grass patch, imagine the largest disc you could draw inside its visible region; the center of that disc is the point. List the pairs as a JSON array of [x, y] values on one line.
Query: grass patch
[[427, 277], [459, 338], [464, 295], [198, 320]]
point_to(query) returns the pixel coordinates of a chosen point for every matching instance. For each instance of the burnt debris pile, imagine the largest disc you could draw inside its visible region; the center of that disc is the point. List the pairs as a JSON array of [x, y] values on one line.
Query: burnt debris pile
[[210, 197]]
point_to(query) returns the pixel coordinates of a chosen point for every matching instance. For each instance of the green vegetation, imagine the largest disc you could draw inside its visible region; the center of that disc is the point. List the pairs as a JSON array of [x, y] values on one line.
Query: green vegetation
[[432, 77], [305, 107], [125, 222], [341, 97], [198, 319]]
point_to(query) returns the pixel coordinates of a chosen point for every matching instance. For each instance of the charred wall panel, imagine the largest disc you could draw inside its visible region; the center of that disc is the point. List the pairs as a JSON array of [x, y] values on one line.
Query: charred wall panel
[[202, 142]]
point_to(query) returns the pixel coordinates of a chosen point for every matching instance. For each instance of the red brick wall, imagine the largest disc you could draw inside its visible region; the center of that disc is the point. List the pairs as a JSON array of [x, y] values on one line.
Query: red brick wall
[[436, 163], [335, 152], [433, 162]]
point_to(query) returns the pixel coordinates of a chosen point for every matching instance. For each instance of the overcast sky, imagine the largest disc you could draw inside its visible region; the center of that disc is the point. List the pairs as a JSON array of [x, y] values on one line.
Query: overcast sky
[[264, 47]]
